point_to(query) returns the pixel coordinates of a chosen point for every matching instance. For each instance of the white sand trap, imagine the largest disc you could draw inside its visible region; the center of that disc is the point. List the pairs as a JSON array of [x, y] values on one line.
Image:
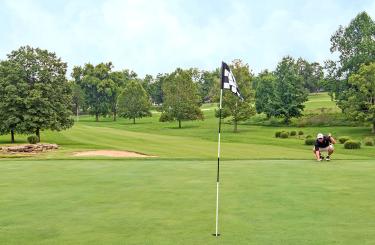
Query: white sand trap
[[108, 153]]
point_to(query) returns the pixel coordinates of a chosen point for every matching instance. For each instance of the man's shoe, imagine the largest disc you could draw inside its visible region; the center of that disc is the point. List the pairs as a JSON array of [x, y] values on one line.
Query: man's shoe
[[328, 158]]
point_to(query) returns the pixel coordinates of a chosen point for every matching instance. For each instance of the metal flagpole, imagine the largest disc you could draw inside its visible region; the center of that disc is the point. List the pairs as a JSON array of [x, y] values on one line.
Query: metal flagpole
[[218, 160]]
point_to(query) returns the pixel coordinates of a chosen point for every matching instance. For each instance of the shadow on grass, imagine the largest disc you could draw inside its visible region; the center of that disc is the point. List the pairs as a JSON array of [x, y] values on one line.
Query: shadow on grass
[[130, 123], [183, 127]]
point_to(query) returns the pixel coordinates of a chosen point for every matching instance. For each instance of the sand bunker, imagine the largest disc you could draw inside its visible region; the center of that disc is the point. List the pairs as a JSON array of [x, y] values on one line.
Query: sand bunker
[[107, 153]]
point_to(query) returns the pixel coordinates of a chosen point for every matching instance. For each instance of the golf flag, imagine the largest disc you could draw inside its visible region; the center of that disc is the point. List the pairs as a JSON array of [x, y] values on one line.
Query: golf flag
[[228, 81]]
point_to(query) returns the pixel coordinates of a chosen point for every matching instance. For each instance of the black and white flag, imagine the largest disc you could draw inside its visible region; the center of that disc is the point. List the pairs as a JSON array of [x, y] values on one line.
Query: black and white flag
[[228, 81]]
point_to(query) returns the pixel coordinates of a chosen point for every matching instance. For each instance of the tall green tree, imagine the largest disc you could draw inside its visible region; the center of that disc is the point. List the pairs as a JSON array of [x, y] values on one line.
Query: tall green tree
[[13, 91], [120, 79], [289, 91], [207, 85], [360, 103], [181, 98], [98, 86], [78, 96], [154, 87], [355, 45], [134, 101], [264, 93], [234, 108], [312, 75], [49, 96], [146, 84]]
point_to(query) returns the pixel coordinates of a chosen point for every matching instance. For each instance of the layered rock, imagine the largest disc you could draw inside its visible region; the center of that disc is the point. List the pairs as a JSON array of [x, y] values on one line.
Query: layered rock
[[30, 148]]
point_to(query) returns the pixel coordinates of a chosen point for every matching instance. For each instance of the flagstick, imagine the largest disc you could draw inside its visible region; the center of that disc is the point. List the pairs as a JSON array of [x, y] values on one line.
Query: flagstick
[[218, 168]]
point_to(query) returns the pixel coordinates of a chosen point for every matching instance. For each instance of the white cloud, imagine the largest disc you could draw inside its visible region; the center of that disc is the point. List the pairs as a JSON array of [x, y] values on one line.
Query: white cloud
[[158, 36]]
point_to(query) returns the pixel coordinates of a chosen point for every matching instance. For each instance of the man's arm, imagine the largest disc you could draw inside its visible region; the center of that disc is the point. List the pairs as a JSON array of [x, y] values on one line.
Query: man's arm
[[331, 139], [316, 151]]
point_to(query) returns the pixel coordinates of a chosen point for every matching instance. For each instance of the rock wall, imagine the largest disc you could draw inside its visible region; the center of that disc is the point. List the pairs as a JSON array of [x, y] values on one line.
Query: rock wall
[[31, 148]]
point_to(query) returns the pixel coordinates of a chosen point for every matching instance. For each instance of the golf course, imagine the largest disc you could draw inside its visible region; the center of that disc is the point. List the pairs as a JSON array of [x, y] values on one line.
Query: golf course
[[272, 190], [133, 122]]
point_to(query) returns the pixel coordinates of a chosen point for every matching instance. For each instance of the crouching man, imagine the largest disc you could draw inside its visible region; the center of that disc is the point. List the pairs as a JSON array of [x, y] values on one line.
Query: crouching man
[[323, 144]]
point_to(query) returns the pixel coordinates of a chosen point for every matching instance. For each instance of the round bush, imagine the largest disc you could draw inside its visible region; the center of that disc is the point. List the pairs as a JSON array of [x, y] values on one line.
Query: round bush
[[284, 135], [293, 133], [33, 139], [309, 141], [300, 132], [352, 144], [277, 134], [308, 136], [343, 139], [368, 141]]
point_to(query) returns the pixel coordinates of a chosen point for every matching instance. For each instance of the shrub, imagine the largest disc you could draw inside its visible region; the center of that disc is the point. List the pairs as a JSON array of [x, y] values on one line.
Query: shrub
[[343, 139], [368, 141], [352, 144], [300, 132], [277, 134], [284, 135], [308, 136], [165, 117], [293, 133], [309, 141], [33, 139]]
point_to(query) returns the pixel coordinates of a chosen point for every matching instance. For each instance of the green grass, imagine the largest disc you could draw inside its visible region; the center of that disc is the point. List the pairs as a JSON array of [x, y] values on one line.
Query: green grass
[[172, 202], [272, 190], [196, 140], [320, 101]]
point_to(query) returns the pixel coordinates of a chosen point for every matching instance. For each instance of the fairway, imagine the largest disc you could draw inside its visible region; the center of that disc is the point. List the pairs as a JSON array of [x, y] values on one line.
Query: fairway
[[172, 202]]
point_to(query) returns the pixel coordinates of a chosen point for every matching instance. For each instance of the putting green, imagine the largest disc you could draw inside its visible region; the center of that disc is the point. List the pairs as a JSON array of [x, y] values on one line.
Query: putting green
[[172, 202]]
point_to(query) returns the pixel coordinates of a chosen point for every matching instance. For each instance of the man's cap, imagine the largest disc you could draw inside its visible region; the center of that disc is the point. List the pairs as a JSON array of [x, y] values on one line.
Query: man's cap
[[320, 136]]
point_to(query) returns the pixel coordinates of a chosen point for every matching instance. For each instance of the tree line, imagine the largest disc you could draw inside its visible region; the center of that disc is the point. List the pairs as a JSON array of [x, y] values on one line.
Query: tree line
[[36, 93]]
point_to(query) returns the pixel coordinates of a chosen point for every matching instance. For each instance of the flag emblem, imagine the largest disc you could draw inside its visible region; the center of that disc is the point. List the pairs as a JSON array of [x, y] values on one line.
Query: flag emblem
[[229, 81]]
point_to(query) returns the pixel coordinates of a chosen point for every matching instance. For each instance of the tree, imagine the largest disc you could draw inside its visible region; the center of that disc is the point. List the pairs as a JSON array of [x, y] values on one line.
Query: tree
[[356, 46], [119, 80], [181, 98], [13, 91], [232, 106], [264, 93], [98, 86], [289, 92], [146, 84], [154, 86], [134, 102], [312, 75], [78, 96], [360, 103], [207, 84], [48, 99]]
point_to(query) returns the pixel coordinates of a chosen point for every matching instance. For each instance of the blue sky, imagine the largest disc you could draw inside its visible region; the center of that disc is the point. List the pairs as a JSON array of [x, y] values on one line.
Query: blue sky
[[154, 36]]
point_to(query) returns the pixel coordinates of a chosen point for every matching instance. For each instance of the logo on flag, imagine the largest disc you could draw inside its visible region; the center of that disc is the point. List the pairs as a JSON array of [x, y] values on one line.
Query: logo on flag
[[228, 80]]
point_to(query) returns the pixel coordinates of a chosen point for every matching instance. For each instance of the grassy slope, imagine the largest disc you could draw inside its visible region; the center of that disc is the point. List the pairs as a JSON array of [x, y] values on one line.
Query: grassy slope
[[196, 140], [318, 101]]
